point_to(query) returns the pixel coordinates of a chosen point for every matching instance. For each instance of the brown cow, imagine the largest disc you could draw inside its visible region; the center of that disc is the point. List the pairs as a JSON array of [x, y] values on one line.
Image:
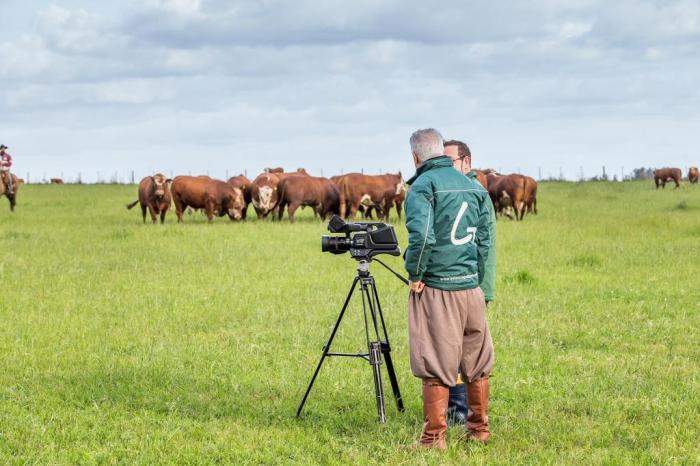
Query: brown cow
[[56, 181], [15, 187], [298, 191], [154, 195], [530, 194], [274, 170], [481, 178], [366, 212], [244, 184], [263, 193], [368, 191], [508, 191], [399, 200], [693, 175], [216, 197], [663, 175]]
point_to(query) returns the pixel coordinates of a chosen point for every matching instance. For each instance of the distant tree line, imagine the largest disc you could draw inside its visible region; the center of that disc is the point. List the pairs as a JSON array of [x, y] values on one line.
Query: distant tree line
[[641, 173]]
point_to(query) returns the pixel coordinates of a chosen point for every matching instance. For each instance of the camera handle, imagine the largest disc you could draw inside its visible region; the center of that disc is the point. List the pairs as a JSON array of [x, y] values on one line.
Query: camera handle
[[399, 276], [376, 349]]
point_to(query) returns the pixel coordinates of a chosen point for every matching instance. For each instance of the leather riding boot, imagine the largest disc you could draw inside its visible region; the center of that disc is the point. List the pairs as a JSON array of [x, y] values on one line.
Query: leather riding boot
[[435, 396], [457, 407], [478, 417]]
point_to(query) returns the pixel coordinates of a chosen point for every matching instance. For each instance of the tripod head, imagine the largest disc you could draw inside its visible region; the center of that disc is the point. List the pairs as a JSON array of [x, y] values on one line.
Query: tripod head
[[363, 269]]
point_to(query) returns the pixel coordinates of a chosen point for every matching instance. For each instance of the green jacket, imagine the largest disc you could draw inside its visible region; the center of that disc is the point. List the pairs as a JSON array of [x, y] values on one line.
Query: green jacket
[[447, 219], [488, 280]]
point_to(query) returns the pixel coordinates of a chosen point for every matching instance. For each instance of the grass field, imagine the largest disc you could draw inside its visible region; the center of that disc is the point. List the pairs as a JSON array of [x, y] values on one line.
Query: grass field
[[125, 343]]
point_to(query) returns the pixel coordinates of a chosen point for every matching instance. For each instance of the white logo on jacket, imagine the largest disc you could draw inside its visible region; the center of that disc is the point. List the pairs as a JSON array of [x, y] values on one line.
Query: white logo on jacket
[[471, 231]]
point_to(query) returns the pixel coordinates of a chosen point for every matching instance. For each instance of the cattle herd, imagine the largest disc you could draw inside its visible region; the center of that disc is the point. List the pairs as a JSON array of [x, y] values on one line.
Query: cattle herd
[[276, 191], [271, 193]]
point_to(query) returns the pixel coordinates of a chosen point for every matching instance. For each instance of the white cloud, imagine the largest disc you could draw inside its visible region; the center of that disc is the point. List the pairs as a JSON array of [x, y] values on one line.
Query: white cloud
[[327, 82]]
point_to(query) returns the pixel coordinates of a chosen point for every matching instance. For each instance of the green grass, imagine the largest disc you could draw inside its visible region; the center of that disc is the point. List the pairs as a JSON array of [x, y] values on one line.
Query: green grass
[[125, 343]]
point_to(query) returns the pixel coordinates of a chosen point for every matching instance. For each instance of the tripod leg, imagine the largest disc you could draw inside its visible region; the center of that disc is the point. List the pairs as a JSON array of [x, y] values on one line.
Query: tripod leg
[[327, 347], [375, 359], [375, 347], [386, 351]]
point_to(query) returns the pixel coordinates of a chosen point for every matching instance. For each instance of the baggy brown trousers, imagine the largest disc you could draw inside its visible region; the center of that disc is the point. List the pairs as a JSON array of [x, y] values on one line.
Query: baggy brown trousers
[[448, 331]]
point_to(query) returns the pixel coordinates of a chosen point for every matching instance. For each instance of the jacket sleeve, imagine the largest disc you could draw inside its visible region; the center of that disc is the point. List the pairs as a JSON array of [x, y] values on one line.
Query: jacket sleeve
[[483, 237], [420, 220], [488, 279]]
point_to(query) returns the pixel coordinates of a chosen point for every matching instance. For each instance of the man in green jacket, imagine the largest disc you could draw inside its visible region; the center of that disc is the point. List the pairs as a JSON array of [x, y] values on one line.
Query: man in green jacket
[[447, 219], [458, 151]]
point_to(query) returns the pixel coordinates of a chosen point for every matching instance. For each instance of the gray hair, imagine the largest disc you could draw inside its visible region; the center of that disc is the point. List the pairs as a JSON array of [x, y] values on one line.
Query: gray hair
[[427, 144]]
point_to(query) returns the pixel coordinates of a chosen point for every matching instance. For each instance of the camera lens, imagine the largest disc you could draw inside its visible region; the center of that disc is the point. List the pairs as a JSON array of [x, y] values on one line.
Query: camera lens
[[325, 243], [334, 244]]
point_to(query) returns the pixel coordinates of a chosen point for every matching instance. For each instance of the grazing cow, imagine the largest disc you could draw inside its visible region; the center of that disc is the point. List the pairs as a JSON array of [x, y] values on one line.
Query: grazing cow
[[298, 191], [378, 192], [244, 184], [214, 196], [56, 181], [15, 187], [693, 175], [508, 191], [663, 175], [154, 195]]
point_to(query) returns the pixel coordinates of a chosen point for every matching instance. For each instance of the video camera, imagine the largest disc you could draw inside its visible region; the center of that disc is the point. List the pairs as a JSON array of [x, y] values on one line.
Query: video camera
[[363, 240]]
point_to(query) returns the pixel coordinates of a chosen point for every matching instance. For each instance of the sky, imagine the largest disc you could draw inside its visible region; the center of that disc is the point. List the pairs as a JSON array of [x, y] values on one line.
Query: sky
[[217, 87]]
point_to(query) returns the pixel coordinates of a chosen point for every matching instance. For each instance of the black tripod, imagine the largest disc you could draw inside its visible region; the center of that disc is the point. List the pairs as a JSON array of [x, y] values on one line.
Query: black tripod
[[375, 348]]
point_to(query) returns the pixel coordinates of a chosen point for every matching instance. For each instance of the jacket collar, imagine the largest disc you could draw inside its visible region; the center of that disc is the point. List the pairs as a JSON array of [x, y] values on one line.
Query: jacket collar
[[437, 162]]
